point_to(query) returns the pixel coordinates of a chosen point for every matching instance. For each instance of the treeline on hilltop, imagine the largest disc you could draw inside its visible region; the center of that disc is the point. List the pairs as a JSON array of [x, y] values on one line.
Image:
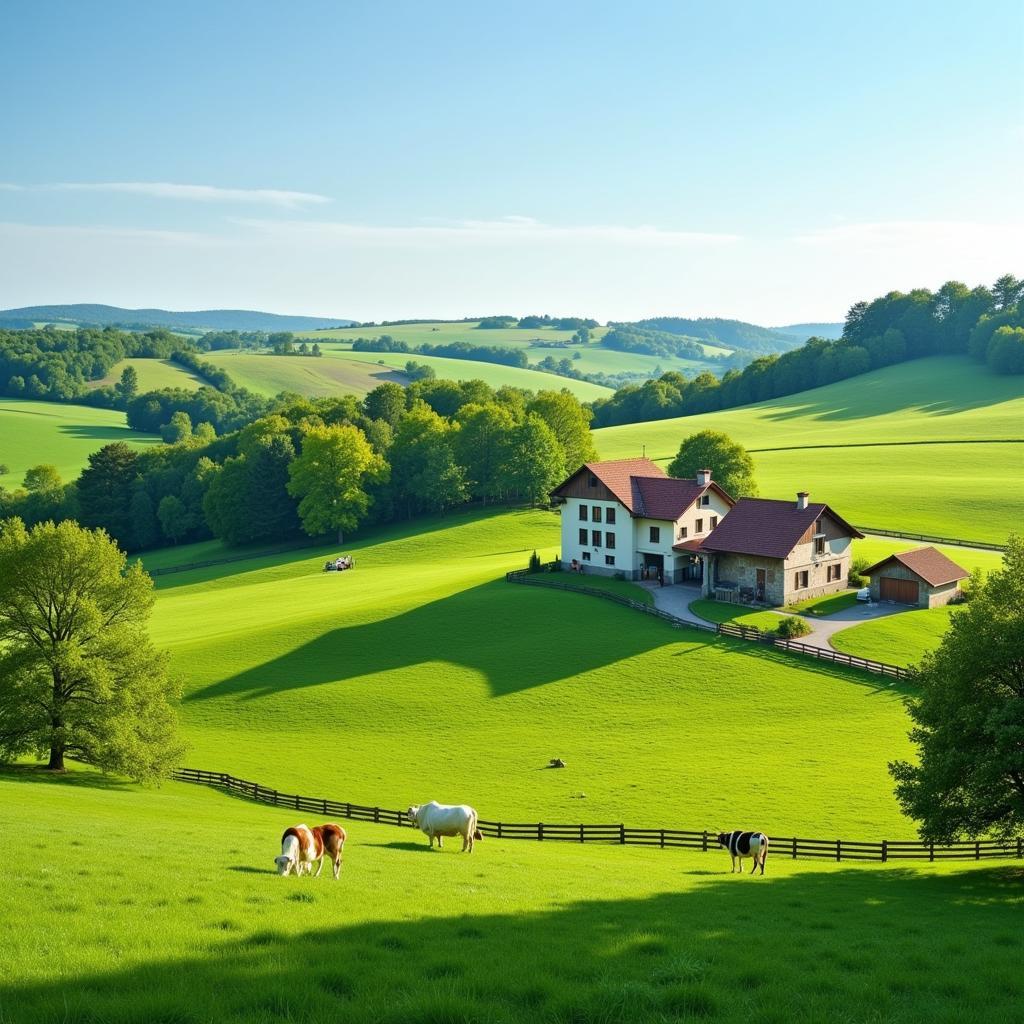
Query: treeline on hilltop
[[987, 323], [320, 465], [647, 341], [735, 334], [448, 350]]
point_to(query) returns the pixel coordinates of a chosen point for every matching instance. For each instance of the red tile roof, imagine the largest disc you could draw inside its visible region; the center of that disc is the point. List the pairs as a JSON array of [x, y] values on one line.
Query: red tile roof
[[617, 475], [692, 547], [768, 528], [930, 564]]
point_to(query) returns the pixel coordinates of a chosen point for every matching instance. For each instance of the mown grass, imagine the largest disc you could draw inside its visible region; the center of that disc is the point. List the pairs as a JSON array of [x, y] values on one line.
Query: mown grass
[[973, 491], [829, 604], [153, 375], [736, 614], [589, 581], [57, 433], [434, 679], [162, 906], [903, 638]]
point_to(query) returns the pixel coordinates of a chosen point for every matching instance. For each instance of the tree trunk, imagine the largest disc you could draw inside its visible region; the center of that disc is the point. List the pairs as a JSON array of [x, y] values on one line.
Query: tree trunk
[[341, 536], [56, 757]]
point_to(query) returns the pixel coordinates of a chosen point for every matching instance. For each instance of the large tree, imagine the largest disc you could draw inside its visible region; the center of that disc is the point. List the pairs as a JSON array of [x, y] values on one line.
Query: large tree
[[105, 489], [481, 447], [535, 463], [330, 477], [969, 717], [731, 466], [570, 421], [425, 476], [79, 675]]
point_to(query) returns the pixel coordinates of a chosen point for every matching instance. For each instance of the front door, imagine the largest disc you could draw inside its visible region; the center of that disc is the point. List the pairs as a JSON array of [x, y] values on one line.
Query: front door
[[762, 582], [654, 566]]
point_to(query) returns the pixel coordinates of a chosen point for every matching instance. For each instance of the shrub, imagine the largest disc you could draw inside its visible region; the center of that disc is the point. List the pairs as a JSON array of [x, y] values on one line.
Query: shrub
[[534, 565], [857, 578], [792, 626]]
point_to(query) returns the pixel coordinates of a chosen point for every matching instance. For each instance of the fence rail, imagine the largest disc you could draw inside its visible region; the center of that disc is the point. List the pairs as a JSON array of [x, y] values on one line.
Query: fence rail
[[618, 833], [543, 579], [929, 539]]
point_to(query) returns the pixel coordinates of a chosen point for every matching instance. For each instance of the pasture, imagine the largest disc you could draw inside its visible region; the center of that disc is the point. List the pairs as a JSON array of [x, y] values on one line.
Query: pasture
[[903, 638], [438, 332], [868, 447], [194, 926], [425, 640], [64, 435], [153, 375]]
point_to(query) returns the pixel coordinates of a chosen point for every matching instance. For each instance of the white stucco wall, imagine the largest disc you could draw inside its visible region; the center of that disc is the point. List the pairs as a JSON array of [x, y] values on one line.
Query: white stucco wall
[[623, 552]]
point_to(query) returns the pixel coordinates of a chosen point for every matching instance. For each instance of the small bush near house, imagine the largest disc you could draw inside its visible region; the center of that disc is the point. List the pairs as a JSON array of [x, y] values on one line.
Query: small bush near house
[[857, 578], [791, 627], [534, 565]]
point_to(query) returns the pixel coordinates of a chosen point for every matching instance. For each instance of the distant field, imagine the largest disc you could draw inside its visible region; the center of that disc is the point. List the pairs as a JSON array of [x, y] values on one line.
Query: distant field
[[438, 333], [153, 375], [899, 639], [63, 435], [269, 374], [594, 359], [975, 491], [467, 369]]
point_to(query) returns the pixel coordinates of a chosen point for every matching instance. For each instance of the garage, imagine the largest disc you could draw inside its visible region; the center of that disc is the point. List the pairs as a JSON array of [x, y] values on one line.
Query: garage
[[900, 591]]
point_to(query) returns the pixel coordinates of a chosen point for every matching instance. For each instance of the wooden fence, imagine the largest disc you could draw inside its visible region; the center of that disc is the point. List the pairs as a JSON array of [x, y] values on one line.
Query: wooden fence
[[546, 578], [929, 539], [620, 834]]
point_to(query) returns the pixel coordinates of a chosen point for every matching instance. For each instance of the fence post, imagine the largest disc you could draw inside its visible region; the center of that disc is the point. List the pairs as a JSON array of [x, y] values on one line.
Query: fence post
[[704, 844], [977, 850], [1020, 848], [296, 801], [839, 850], [794, 847], [348, 809], [499, 829], [581, 833], [622, 834], [376, 815], [275, 797], [662, 844], [540, 831], [325, 808], [255, 791], [885, 850], [931, 851]]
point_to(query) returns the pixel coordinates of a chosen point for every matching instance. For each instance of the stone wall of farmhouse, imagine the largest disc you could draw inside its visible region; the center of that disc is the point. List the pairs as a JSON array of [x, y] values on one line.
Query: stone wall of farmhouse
[[742, 570]]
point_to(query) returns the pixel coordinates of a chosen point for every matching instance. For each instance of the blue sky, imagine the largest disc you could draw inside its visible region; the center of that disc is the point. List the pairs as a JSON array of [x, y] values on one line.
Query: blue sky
[[772, 162]]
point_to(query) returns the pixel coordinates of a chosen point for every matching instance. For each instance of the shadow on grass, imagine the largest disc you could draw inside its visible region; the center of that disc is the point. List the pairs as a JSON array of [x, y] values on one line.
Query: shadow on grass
[[248, 869], [85, 778], [408, 846], [846, 945]]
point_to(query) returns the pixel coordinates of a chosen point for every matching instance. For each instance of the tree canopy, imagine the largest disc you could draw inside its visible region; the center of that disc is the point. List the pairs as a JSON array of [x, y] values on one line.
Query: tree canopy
[[731, 466], [969, 717], [79, 675]]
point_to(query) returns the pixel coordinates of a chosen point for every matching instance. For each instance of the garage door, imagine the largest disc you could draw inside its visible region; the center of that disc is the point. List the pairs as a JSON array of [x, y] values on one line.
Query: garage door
[[900, 591]]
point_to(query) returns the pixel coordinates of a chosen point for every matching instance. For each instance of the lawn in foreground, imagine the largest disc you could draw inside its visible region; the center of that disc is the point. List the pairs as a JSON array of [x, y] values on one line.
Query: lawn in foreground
[[162, 905], [434, 679], [899, 639], [58, 433]]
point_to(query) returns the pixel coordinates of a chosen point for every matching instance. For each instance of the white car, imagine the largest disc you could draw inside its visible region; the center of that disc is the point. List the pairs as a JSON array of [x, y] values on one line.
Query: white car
[[864, 594]]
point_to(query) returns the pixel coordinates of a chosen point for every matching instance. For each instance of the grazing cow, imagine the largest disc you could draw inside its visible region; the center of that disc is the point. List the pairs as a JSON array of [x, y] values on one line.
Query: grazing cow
[[438, 820], [301, 846], [745, 844]]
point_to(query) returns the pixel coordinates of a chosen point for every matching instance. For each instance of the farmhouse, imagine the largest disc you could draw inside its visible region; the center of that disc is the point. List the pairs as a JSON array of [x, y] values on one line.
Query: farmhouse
[[627, 517], [924, 577]]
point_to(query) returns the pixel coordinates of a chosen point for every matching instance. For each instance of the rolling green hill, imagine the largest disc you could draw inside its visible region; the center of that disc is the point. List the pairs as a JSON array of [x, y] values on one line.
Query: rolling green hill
[[439, 332], [153, 375], [867, 446], [32, 433], [422, 662]]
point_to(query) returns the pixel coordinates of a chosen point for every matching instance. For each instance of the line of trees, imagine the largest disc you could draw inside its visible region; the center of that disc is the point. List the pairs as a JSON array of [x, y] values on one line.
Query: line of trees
[[448, 350], [987, 323], [320, 465]]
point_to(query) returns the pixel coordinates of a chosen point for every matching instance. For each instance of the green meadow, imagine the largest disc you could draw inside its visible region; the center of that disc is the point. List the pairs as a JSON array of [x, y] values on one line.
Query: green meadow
[[153, 375], [32, 433], [898, 639], [419, 665], [438, 332], [867, 446], [162, 906]]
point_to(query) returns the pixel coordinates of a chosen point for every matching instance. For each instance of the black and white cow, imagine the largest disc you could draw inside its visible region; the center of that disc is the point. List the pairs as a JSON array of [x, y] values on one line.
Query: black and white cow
[[745, 844]]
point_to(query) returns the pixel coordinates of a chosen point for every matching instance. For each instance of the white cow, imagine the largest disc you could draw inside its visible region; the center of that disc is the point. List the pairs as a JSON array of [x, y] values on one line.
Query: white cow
[[438, 820]]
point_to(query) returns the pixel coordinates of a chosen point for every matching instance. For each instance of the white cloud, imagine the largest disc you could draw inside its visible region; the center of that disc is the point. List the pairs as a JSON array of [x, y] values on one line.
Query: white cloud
[[912, 233], [190, 193]]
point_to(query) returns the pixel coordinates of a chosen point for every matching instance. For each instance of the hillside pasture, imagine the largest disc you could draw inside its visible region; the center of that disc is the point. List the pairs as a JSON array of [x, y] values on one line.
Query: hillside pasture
[[422, 662], [153, 375], [63, 435], [866, 446], [195, 925], [903, 638], [439, 332]]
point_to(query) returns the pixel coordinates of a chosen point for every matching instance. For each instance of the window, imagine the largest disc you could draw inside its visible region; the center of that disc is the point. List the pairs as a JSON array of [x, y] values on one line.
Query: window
[[682, 532], [800, 580], [583, 537], [586, 556], [655, 535], [714, 522], [699, 526], [595, 538], [592, 480], [595, 514], [835, 572], [583, 513], [705, 500], [609, 540], [609, 559], [609, 515], [819, 545]]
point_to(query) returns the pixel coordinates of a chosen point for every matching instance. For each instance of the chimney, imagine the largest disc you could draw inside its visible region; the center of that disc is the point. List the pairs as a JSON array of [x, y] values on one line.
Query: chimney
[[801, 499], [703, 477]]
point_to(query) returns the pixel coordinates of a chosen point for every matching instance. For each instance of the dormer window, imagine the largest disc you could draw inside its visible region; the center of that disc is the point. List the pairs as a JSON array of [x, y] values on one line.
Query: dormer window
[[592, 480], [705, 500]]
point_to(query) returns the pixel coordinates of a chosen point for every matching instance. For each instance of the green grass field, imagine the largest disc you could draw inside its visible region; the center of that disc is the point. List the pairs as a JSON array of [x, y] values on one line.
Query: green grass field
[[439, 333], [902, 639], [973, 490], [827, 605], [153, 375], [136, 905], [32, 433], [422, 662], [736, 615]]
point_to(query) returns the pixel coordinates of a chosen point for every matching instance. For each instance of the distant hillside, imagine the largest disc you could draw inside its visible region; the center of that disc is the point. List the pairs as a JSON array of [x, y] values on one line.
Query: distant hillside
[[805, 331], [725, 333], [88, 314]]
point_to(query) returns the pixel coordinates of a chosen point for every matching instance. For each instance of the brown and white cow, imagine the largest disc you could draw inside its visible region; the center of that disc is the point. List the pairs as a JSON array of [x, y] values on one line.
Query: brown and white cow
[[302, 846]]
